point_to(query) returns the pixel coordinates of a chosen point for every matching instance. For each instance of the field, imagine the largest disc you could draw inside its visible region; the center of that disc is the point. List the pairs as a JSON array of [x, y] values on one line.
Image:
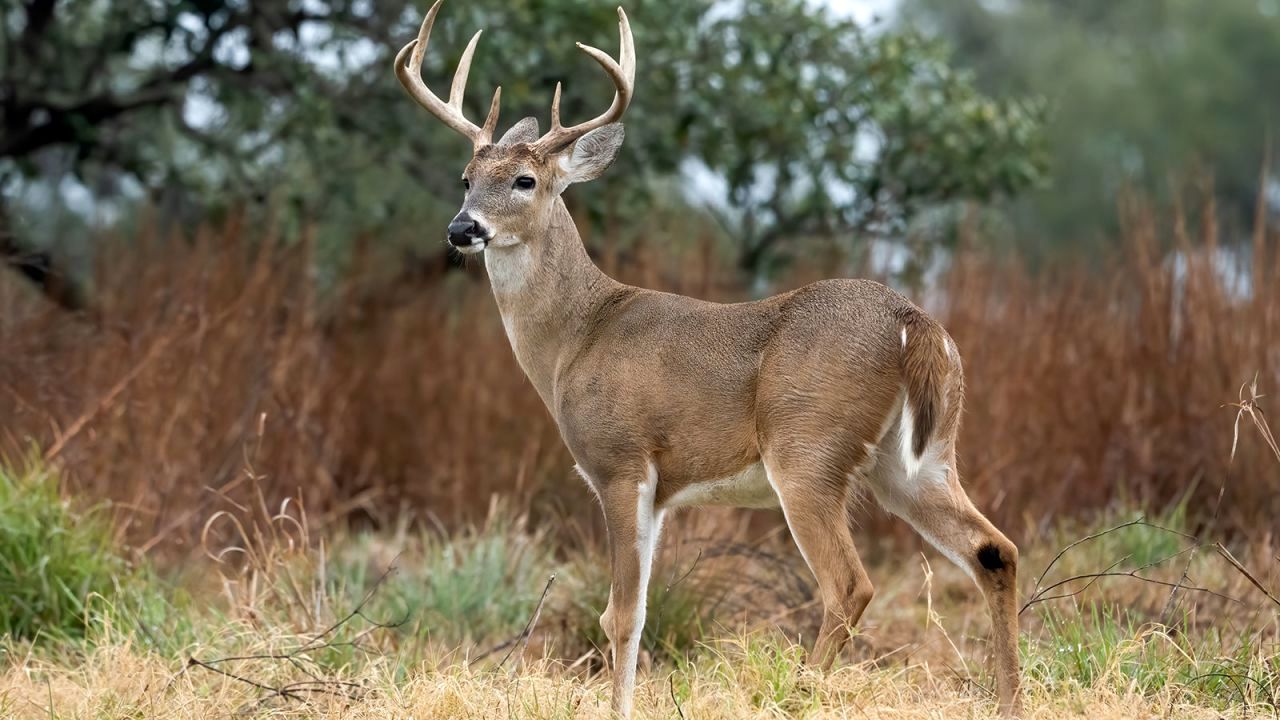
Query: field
[[235, 487], [419, 623]]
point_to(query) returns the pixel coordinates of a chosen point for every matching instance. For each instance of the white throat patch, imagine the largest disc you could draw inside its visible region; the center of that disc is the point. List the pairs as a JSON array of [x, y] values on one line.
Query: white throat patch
[[508, 261]]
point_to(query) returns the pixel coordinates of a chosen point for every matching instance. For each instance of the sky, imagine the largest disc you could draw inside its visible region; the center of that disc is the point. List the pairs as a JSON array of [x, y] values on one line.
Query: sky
[[864, 11]]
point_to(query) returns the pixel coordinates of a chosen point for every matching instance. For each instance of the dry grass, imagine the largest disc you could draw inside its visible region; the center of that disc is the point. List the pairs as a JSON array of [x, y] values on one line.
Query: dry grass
[[121, 682], [919, 655], [311, 627], [397, 393]]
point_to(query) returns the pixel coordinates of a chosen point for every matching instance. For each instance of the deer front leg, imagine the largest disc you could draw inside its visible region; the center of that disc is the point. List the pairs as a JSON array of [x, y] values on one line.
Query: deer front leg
[[634, 525]]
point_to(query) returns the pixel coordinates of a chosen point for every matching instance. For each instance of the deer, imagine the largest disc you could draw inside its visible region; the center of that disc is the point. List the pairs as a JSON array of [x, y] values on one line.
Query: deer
[[798, 402]]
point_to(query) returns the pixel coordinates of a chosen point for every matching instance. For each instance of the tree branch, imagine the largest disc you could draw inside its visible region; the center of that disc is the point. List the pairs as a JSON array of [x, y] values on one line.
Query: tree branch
[[40, 269]]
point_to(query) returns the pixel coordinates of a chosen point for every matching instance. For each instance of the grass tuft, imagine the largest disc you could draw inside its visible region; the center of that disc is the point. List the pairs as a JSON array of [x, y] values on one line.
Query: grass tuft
[[53, 557]]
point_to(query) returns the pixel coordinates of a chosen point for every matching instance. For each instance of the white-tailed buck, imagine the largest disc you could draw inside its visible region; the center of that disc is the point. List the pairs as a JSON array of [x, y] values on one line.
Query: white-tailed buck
[[793, 402]]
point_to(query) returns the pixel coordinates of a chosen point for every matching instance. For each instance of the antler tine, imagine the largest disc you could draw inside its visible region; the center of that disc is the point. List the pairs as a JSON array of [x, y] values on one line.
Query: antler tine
[[623, 76], [408, 67], [555, 110], [459, 86], [628, 52], [491, 120]]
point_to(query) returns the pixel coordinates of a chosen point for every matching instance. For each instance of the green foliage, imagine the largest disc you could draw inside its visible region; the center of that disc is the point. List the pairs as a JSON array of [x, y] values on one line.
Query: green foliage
[[1141, 92], [772, 669], [821, 130], [480, 584], [53, 558]]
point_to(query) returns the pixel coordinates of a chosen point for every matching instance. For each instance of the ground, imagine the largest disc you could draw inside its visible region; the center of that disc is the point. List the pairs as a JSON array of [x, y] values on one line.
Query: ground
[[285, 624]]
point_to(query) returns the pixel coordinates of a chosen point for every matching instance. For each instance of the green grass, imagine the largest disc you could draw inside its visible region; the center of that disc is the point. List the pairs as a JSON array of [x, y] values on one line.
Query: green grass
[[1104, 645], [679, 607], [481, 584], [53, 557]]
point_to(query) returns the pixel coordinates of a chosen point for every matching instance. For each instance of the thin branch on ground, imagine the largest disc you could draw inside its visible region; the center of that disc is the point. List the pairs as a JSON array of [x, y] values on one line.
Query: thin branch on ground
[[316, 685], [510, 643], [1038, 593]]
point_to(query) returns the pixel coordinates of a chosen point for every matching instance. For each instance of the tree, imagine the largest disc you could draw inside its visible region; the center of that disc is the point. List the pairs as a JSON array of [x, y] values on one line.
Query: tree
[[206, 102], [1140, 91], [106, 86], [824, 130], [818, 128]]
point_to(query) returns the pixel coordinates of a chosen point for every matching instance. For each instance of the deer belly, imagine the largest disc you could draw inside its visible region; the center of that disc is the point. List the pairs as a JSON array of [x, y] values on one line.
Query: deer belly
[[747, 489]]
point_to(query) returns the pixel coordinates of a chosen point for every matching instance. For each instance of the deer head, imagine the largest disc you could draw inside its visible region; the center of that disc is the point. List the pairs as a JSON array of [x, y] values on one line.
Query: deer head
[[510, 186]]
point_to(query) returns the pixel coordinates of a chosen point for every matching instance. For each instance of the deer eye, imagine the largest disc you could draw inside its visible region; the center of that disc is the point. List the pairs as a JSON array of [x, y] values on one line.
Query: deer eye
[[466, 184], [524, 182]]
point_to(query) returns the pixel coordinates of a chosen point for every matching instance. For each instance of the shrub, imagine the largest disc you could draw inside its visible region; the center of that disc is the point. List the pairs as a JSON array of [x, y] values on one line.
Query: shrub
[[479, 584], [53, 558]]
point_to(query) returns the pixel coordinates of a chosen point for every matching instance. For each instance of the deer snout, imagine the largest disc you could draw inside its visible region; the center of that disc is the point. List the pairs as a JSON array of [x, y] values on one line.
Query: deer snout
[[465, 231]]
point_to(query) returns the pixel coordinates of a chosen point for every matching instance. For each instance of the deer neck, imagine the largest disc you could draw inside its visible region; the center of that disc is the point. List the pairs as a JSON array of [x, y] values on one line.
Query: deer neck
[[546, 288]]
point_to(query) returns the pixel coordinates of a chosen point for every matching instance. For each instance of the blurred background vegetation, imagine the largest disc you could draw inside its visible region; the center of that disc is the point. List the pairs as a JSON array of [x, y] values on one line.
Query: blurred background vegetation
[[172, 170], [775, 121], [1144, 94]]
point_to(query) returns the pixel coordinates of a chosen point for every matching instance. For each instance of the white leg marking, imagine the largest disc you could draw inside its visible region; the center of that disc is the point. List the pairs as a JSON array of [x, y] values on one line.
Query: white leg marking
[[906, 429], [899, 478], [648, 530], [947, 552]]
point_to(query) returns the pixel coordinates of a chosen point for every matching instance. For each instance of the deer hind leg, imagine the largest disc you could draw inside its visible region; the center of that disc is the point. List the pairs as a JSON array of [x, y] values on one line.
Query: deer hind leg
[[634, 525], [816, 512], [934, 503]]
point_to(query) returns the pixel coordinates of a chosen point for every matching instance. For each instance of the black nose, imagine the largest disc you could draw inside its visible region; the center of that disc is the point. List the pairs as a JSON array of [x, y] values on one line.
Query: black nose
[[464, 230]]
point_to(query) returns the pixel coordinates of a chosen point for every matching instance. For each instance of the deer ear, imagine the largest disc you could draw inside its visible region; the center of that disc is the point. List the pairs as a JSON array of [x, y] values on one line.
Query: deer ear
[[525, 131], [591, 155]]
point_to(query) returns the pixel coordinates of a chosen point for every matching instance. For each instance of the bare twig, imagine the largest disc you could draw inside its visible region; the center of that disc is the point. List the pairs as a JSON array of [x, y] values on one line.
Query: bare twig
[[524, 634], [1130, 574], [537, 613], [316, 685], [1037, 595], [672, 584], [358, 612], [1226, 555], [687, 573]]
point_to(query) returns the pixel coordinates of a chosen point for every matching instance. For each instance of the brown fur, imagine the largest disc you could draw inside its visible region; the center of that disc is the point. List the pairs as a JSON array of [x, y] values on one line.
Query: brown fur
[[925, 364]]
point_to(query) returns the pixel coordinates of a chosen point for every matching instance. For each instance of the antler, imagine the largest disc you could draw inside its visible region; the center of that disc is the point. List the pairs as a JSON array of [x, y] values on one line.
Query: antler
[[450, 113], [624, 79]]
